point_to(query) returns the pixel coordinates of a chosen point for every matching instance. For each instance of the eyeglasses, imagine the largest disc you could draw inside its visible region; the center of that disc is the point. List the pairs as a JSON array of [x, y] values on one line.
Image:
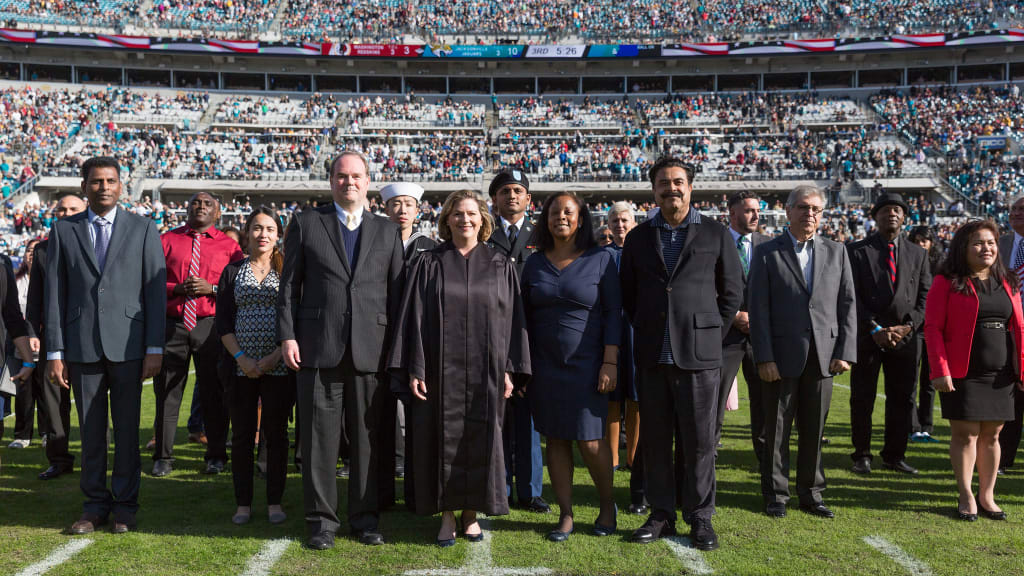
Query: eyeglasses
[[606, 237], [814, 210]]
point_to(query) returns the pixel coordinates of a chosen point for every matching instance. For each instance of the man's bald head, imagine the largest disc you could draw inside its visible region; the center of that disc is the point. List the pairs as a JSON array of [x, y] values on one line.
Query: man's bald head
[[68, 205]]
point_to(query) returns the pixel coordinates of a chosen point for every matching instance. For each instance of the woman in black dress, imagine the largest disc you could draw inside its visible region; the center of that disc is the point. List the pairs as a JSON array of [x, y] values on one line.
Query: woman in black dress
[[246, 321], [460, 347], [974, 328]]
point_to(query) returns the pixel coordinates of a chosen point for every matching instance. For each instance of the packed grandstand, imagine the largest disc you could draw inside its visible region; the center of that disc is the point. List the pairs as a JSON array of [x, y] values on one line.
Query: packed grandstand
[[760, 94]]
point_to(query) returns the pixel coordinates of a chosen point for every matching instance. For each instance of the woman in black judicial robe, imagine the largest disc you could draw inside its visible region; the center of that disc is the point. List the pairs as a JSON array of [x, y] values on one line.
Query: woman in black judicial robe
[[460, 345]]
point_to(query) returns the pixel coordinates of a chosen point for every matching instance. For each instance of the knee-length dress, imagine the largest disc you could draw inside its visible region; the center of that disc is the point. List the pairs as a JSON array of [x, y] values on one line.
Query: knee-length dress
[[986, 392], [572, 314]]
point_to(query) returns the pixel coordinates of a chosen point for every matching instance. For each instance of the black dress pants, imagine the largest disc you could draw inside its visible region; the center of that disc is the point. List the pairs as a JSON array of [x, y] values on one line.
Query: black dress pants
[[245, 394], [672, 398], [924, 415], [201, 346], [29, 410], [323, 395], [900, 367], [119, 384]]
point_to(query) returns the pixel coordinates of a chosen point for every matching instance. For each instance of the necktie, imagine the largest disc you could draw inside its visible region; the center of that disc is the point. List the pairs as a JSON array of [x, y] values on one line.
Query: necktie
[[741, 246], [193, 270], [350, 222], [1018, 262], [102, 240], [892, 263], [513, 233]]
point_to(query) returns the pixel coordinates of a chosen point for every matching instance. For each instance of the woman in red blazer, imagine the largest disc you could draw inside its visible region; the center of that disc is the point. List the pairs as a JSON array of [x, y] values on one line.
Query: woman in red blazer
[[974, 329]]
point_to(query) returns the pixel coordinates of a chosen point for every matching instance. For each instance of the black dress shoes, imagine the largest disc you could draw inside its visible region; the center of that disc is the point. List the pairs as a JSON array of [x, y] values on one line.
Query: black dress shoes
[[323, 540], [161, 468], [558, 535], [862, 466], [702, 535], [654, 529], [638, 509], [1001, 515], [775, 510], [215, 466], [818, 509], [54, 472], [900, 466], [536, 504], [368, 537]]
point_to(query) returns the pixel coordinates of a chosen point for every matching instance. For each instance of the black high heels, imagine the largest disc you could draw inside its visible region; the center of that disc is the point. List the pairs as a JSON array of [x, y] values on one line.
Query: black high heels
[[1000, 515]]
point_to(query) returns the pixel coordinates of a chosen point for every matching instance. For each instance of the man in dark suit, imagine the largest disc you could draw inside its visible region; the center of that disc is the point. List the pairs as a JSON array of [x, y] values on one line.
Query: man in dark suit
[[891, 278], [803, 327], [105, 299], [681, 287], [524, 465], [56, 400], [744, 214], [1011, 249], [340, 287]]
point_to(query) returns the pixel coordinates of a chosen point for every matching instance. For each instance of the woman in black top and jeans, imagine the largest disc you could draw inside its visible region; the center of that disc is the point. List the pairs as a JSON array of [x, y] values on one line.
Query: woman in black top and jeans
[[246, 322]]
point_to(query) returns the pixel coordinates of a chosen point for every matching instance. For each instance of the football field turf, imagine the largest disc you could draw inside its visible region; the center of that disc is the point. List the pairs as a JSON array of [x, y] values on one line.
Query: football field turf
[[885, 523]]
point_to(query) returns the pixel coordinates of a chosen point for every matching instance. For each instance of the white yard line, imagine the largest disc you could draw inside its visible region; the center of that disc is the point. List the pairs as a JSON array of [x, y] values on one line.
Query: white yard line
[[479, 562], [264, 560], [691, 558], [912, 565], [58, 557]]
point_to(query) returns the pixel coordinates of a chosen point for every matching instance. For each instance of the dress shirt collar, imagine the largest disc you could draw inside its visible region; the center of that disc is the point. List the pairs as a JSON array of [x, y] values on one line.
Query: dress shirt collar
[[736, 236], [211, 232], [109, 216], [343, 215], [797, 243], [519, 223]]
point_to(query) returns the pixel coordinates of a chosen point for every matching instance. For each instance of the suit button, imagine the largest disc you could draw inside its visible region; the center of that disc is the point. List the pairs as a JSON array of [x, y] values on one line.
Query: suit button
[[668, 289], [512, 259], [101, 290], [101, 310]]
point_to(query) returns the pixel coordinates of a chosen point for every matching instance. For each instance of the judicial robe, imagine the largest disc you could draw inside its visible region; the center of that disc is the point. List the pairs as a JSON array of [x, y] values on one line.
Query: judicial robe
[[461, 327]]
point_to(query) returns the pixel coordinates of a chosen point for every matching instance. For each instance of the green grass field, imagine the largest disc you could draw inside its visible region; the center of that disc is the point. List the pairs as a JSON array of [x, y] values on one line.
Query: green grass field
[[185, 527]]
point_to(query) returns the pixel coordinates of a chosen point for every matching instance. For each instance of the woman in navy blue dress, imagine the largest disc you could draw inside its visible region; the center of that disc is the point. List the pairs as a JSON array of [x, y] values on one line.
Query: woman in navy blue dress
[[574, 315]]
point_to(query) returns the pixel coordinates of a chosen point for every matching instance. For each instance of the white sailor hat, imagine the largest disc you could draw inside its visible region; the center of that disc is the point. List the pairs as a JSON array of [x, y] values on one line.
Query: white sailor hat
[[401, 189]]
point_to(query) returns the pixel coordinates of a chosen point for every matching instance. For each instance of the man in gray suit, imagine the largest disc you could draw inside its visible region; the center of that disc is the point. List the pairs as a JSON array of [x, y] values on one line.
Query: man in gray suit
[[1011, 249], [744, 216], [340, 286], [803, 328], [105, 299]]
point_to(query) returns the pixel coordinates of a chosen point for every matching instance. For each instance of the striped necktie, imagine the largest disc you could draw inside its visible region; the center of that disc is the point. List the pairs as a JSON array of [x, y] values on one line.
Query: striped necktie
[[1018, 262], [193, 270], [892, 263]]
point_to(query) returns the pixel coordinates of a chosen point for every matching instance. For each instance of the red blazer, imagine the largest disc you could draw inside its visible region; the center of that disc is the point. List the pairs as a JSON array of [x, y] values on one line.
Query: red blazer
[[949, 319]]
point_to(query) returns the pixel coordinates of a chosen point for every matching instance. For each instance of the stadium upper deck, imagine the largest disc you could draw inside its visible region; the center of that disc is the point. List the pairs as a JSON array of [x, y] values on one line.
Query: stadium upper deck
[[529, 21]]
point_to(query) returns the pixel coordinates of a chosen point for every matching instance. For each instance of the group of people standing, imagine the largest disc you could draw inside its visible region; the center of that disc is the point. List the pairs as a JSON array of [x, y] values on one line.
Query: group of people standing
[[507, 330]]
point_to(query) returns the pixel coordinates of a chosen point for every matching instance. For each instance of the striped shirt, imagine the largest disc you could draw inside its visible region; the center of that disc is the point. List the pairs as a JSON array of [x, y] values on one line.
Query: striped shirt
[[672, 242]]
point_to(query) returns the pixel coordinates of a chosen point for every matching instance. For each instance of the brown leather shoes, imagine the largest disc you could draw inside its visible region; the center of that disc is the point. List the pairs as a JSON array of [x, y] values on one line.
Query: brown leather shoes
[[123, 523], [87, 524], [197, 438]]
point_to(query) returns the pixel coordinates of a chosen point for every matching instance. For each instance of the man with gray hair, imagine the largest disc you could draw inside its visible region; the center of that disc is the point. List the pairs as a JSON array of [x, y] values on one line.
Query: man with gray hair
[[803, 328]]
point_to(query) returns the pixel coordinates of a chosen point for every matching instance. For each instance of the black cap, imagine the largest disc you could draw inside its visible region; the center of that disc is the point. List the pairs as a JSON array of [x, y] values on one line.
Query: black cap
[[889, 198], [508, 176]]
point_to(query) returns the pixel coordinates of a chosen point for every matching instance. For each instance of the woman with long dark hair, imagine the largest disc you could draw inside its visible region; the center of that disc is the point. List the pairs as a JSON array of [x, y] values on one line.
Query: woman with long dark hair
[[974, 329], [246, 322], [574, 314]]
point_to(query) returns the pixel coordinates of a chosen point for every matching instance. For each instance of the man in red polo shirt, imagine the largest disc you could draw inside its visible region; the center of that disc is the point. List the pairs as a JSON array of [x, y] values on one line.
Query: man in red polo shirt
[[196, 254]]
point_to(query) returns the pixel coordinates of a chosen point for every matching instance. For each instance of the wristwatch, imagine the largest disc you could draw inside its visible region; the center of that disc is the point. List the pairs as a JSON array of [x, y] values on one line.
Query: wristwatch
[[214, 289]]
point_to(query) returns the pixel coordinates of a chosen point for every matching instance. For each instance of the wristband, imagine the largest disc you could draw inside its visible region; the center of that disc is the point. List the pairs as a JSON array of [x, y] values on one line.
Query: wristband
[[28, 364], [876, 330], [239, 354]]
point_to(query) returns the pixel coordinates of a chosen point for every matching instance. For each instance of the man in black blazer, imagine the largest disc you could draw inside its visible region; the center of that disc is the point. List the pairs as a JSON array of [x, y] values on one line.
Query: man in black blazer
[[340, 286], [681, 287], [803, 328], [524, 465], [1011, 250], [744, 214], [56, 400], [891, 278], [105, 299]]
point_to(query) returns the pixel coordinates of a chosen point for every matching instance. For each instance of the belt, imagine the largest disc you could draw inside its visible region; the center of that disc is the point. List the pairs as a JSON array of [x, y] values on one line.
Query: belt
[[993, 325]]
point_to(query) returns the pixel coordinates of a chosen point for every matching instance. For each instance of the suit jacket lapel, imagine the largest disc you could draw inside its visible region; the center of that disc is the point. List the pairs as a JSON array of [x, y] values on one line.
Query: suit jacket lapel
[[789, 256], [820, 255], [333, 226], [655, 238], [498, 235], [903, 266], [368, 230], [82, 231], [877, 261]]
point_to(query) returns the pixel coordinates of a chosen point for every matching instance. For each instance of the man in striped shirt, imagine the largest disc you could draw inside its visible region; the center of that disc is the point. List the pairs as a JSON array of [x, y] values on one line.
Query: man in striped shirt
[[1011, 248]]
